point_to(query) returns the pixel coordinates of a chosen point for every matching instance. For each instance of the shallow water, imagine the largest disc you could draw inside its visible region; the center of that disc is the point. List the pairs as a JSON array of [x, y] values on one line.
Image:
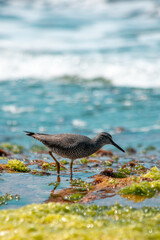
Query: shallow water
[[36, 189], [78, 66]]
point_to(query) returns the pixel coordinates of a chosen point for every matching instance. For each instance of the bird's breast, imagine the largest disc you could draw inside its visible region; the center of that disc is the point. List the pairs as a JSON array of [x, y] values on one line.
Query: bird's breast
[[74, 152]]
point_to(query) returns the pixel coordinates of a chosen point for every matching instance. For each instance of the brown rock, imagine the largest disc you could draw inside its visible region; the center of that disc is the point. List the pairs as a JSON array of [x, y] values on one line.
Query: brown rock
[[3, 153], [102, 152], [131, 150], [108, 172]]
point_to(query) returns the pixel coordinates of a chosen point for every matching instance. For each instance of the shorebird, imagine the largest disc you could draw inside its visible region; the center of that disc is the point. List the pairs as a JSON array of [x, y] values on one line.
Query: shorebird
[[73, 146]]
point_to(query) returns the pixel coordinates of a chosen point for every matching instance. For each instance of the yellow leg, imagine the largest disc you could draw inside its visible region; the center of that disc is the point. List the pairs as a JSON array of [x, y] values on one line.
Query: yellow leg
[[57, 163]]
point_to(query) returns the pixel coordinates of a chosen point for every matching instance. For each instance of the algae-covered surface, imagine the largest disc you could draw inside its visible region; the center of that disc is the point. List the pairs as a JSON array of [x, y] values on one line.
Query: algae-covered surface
[[67, 221], [111, 196], [104, 178]]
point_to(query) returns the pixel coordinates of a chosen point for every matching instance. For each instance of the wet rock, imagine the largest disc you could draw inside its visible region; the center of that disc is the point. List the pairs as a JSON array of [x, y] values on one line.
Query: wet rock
[[40, 173], [131, 150], [96, 165], [102, 152], [132, 164], [108, 172], [94, 161], [3, 153], [38, 162]]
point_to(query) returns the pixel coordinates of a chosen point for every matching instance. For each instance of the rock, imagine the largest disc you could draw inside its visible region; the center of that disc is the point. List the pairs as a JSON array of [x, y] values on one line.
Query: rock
[[3, 153], [102, 152], [131, 150]]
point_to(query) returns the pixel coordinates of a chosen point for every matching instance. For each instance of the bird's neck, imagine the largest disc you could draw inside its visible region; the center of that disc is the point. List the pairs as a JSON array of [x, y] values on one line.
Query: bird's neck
[[97, 143]]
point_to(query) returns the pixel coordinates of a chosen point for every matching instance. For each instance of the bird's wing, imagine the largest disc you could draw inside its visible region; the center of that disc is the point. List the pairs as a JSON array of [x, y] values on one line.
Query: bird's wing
[[61, 140]]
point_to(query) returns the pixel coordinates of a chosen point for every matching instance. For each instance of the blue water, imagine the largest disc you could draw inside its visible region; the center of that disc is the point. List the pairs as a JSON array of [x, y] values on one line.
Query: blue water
[[79, 67]]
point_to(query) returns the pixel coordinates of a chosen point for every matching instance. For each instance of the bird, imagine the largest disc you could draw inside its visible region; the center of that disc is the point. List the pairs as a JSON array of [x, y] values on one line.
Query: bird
[[73, 146]]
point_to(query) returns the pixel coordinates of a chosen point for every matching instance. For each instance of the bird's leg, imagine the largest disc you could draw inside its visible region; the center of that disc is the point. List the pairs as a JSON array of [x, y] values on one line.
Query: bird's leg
[[57, 163], [71, 163]]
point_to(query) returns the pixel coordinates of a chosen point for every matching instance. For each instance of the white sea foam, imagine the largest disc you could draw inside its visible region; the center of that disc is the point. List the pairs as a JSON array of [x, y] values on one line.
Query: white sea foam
[[88, 39], [122, 72], [146, 129], [16, 110], [78, 123]]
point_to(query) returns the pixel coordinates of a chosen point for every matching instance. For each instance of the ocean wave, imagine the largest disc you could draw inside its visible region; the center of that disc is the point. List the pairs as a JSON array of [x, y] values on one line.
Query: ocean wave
[[116, 42], [126, 71]]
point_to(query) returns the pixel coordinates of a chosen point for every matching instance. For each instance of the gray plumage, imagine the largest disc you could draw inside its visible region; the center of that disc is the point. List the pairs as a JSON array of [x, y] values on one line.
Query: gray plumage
[[73, 146]]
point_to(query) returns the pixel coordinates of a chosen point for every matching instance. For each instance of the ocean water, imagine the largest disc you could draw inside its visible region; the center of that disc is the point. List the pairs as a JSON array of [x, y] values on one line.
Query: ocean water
[[80, 66]]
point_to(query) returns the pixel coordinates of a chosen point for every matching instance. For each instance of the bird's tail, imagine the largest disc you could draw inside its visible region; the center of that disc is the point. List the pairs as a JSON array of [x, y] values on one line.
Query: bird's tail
[[39, 136]]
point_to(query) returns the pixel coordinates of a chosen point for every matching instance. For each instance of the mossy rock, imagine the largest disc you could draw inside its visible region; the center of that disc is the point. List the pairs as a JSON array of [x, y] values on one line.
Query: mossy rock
[[74, 221], [147, 189], [17, 165], [154, 173], [14, 148]]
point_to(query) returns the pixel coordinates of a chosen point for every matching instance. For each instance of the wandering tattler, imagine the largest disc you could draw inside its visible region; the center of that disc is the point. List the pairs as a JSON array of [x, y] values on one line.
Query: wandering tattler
[[73, 146]]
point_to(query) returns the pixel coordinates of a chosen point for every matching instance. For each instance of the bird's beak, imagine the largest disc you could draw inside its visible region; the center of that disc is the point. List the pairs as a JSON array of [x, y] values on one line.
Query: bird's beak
[[113, 143]]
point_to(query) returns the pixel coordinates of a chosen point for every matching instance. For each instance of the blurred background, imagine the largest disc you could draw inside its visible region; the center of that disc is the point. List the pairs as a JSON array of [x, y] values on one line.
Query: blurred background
[[80, 67]]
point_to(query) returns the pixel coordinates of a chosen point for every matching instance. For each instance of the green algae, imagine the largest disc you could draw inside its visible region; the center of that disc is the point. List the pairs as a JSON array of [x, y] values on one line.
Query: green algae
[[139, 167], [38, 148], [83, 161], [74, 197], [108, 163], [147, 189], [81, 185], [150, 148], [8, 197], [3, 158], [64, 162], [115, 157], [48, 166], [126, 170], [14, 148], [154, 173], [55, 184], [94, 155], [17, 165], [75, 221], [119, 175]]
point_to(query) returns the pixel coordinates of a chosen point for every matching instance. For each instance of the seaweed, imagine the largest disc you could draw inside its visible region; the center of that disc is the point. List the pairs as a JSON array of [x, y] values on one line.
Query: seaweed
[[154, 173], [38, 148], [48, 166], [115, 157], [125, 170], [17, 165], [83, 161], [147, 189], [40, 173], [55, 184], [14, 148], [81, 185], [76, 221], [108, 163], [74, 197], [64, 162], [8, 197]]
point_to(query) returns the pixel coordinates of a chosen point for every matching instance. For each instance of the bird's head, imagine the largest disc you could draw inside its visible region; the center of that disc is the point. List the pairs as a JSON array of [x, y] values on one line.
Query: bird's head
[[106, 138]]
